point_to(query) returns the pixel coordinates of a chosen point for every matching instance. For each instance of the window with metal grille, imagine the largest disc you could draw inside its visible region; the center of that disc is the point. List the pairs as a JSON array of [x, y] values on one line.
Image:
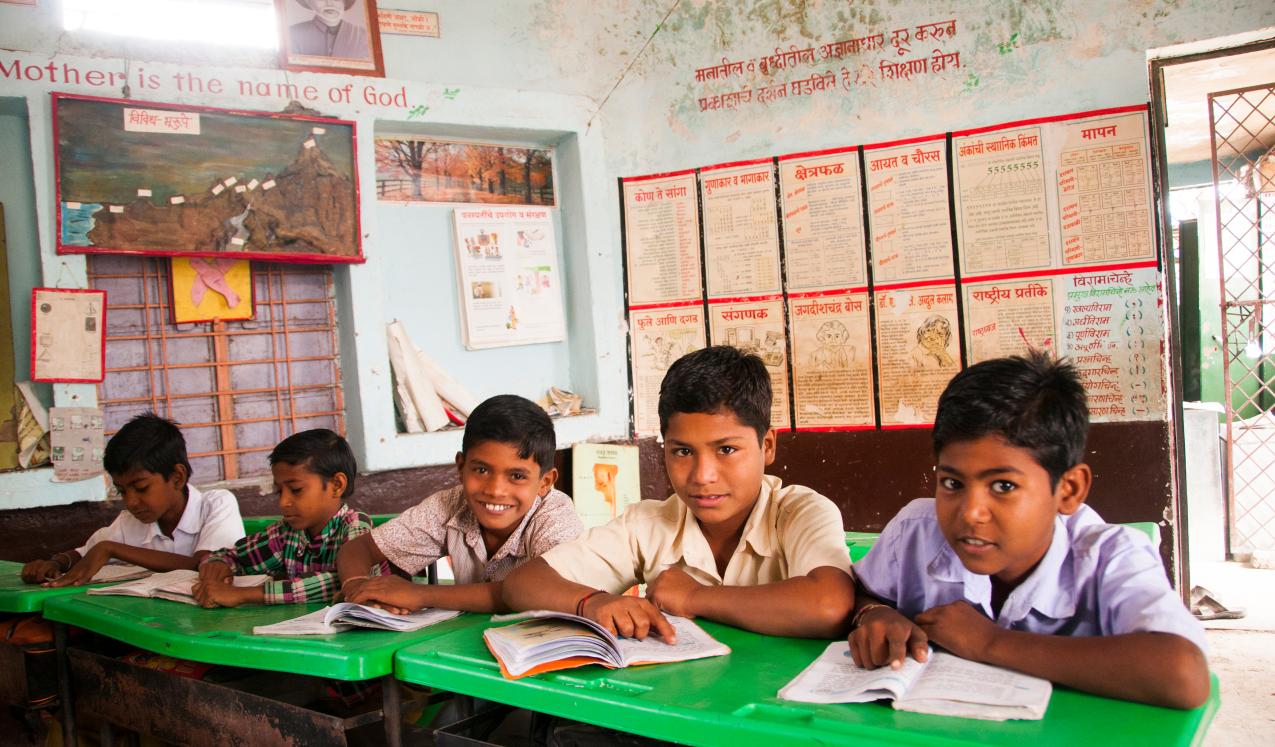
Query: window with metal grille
[[236, 388]]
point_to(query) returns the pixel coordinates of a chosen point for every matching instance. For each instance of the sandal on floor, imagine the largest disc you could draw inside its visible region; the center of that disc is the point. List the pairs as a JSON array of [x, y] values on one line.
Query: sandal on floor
[[1206, 607]]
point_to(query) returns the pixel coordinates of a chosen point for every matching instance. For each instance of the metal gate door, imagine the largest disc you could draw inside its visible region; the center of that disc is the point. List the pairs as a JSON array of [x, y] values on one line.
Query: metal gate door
[[1242, 126]]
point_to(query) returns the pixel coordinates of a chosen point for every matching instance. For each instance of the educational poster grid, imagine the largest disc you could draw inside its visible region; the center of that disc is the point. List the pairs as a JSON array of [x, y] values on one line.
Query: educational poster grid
[[897, 268], [825, 263], [663, 276], [743, 279]]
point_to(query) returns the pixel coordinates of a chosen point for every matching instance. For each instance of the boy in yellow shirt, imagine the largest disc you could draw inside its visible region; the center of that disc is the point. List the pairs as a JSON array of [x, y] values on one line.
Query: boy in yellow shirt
[[733, 545]]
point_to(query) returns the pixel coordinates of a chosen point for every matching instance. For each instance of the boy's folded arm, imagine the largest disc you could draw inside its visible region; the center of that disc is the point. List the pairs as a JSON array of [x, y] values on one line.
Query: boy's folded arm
[[316, 586], [1158, 668], [816, 605], [355, 559], [535, 585], [155, 560], [400, 593]]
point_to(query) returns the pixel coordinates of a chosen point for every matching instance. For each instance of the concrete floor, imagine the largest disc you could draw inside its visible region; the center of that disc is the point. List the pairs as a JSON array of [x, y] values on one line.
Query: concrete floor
[[1242, 653]]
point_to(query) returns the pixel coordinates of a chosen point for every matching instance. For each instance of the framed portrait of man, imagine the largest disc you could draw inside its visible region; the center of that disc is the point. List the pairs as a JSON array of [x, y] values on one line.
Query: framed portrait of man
[[330, 36]]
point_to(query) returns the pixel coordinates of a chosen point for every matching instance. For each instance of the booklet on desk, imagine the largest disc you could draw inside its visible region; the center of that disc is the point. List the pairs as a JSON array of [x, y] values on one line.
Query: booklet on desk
[[175, 586], [547, 641], [347, 615], [945, 685], [114, 572]]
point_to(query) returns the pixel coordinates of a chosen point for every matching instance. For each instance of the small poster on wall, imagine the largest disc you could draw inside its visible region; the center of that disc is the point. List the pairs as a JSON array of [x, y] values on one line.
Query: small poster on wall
[[76, 442], [67, 335], [206, 289], [604, 481], [510, 287]]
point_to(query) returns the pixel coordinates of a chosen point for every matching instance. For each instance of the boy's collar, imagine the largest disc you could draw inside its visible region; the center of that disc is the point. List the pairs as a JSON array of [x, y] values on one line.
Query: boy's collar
[[330, 525], [192, 515], [756, 534]]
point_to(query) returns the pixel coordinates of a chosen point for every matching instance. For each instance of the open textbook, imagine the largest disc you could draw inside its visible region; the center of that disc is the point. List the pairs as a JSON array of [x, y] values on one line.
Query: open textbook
[[546, 641], [115, 572], [347, 615], [175, 586], [946, 685]]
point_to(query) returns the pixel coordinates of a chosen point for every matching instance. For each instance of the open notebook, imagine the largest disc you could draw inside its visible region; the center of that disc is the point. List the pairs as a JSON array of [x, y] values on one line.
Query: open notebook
[[347, 616], [175, 586], [546, 641], [946, 685]]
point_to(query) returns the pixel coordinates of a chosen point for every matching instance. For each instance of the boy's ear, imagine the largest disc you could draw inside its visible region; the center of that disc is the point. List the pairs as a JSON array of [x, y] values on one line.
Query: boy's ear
[[547, 479], [340, 482], [768, 442], [179, 476], [460, 460], [1073, 489]]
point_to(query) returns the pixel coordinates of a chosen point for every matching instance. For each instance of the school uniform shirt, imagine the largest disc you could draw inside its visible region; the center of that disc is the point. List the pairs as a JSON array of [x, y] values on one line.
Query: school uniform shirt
[[303, 568], [443, 524], [1095, 579], [791, 531], [211, 521]]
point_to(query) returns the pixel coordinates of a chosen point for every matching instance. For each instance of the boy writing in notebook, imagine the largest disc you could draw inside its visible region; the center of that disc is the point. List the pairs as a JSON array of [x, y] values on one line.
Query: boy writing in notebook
[[1007, 565], [733, 545], [168, 524], [314, 472], [504, 512]]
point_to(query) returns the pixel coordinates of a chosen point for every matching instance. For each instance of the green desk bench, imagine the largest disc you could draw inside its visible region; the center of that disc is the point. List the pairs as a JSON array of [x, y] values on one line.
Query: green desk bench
[[731, 700], [104, 686]]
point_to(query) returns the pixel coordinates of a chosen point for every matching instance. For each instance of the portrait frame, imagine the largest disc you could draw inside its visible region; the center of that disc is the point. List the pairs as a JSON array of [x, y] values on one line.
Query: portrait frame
[[361, 14], [243, 184]]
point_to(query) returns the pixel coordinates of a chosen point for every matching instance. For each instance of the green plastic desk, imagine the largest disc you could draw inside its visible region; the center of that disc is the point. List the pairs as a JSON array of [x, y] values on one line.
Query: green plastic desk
[[732, 700], [224, 636], [253, 524], [16, 596]]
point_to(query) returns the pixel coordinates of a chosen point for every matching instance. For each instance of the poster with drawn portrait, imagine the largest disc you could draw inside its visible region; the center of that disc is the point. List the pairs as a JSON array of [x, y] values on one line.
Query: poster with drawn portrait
[[756, 325], [832, 361], [919, 351]]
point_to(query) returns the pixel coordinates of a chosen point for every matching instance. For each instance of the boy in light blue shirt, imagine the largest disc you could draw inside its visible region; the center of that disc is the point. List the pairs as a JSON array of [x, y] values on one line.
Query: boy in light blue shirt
[[1007, 566]]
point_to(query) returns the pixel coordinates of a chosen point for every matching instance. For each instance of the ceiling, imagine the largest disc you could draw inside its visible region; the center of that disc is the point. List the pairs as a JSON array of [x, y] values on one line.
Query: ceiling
[[1187, 87]]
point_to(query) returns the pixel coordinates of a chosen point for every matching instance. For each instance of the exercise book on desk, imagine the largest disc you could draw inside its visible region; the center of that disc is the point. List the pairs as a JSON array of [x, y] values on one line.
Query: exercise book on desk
[[175, 586], [115, 572], [546, 641], [347, 616], [944, 685]]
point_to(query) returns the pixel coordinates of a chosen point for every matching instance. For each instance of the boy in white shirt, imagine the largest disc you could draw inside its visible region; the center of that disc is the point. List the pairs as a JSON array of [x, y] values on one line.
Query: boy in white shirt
[[168, 524]]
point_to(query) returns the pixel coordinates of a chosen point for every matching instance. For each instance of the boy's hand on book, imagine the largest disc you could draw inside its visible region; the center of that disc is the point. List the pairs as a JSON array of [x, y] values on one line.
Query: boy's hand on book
[[885, 636], [395, 595], [960, 628], [40, 571], [219, 594], [215, 572], [630, 617], [673, 591], [83, 571]]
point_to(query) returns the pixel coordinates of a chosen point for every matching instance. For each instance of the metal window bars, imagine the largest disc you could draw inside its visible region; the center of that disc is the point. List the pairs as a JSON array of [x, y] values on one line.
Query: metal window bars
[[1242, 128], [236, 387]]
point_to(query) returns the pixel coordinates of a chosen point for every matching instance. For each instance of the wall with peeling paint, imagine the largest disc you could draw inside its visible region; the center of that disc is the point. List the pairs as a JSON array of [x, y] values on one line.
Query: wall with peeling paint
[[619, 76]]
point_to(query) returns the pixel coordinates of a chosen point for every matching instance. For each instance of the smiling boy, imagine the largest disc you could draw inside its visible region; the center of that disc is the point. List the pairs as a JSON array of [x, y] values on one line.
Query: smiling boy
[[504, 513], [733, 545], [1007, 565], [313, 471]]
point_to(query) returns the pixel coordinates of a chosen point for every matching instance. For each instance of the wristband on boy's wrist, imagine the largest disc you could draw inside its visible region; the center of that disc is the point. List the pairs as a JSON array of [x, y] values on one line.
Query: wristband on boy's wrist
[[865, 609], [352, 578], [61, 567], [585, 598]]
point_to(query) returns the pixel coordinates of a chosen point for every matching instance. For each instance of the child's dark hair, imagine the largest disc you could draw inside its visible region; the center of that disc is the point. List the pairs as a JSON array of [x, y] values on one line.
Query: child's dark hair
[[714, 379], [517, 421], [1033, 402], [147, 441], [320, 451]]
